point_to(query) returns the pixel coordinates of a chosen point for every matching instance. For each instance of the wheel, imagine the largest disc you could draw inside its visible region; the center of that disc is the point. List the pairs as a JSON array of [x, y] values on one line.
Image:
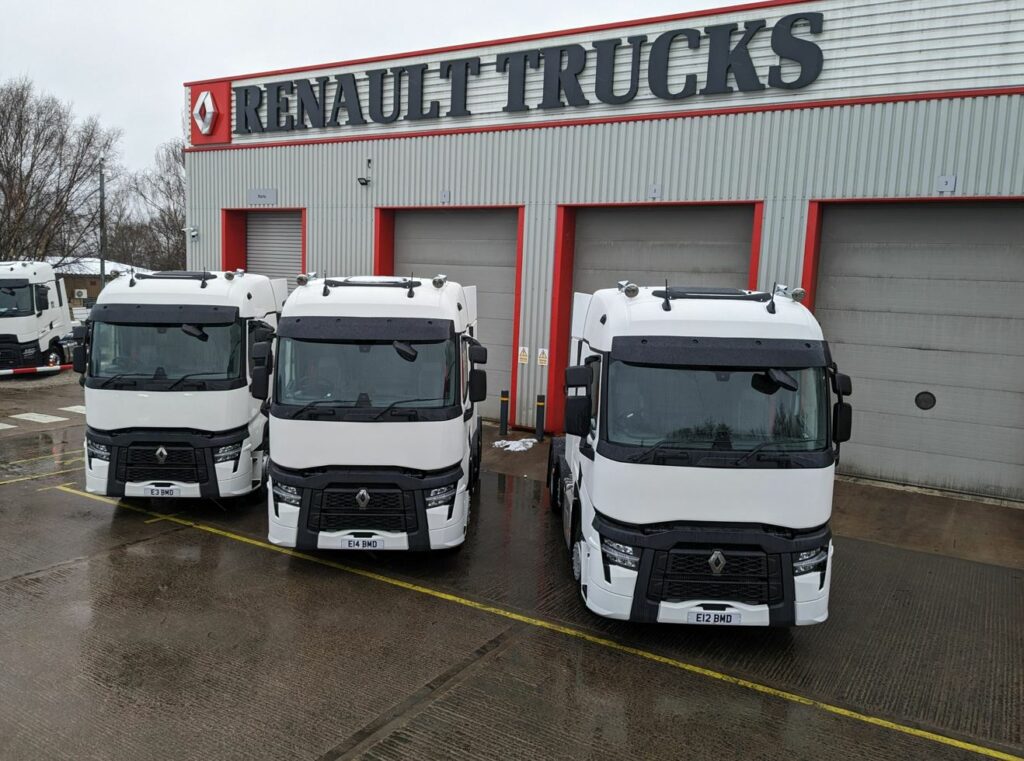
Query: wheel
[[555, 488], [577, 550], [55, 356]]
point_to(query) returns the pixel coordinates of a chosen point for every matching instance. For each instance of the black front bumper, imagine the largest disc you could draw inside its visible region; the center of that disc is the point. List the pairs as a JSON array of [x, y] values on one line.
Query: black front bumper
[[189, 457], [14, 354], [396, 500], [675, 564]]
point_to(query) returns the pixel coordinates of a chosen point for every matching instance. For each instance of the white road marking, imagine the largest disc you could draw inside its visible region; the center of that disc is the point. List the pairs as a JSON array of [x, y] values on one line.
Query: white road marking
[[5, 426], [38, 417], [79, 408]]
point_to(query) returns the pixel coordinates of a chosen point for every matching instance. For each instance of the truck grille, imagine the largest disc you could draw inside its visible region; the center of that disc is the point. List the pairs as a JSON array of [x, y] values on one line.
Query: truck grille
[[748, 576], [182, 463], [339, 510], [10, 356]]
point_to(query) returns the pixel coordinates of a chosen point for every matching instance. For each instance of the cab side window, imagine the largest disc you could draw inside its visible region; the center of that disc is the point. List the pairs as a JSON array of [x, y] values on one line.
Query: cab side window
[[594, 363]]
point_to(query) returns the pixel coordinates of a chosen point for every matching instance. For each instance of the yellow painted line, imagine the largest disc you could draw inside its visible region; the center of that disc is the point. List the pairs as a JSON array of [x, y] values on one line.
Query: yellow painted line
[[41, 457], [41, 475], [55, 486], [540, 623], [161, 518]]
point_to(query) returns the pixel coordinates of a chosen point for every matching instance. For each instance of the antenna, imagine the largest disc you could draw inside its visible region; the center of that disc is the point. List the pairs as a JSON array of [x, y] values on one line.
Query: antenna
[[666, 304], [202, 280], [771, 302], [131, 276]]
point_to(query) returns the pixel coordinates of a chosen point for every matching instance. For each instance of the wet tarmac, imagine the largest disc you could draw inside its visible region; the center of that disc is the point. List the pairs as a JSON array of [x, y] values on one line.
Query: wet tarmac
[[126, 636]]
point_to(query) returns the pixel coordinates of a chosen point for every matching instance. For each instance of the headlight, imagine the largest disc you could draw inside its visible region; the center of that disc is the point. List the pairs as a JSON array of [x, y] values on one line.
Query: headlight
[[620, 554], [810, 561], [96, 450], [442, 495], [228, 453], [288, 494]]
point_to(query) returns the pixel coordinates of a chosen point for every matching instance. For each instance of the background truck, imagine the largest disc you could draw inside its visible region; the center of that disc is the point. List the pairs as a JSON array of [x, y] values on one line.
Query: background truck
[[167, 363], [375, 418], [35, 320], [695, 478]]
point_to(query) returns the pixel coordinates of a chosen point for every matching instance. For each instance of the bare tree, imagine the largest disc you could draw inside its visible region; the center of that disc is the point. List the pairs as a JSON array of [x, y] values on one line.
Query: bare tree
[[161, 192], [49, 170]]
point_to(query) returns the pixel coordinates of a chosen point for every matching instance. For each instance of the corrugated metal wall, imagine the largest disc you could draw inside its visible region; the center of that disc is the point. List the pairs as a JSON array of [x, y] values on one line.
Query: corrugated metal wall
[[783, 157]]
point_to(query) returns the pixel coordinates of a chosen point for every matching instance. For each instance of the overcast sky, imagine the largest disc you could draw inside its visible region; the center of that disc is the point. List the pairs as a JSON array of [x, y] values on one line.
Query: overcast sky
[[126, 60]]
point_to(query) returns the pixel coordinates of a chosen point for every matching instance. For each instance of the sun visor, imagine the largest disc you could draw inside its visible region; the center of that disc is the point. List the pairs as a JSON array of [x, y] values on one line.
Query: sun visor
[[170, 314], [720, 352], [321, 328]]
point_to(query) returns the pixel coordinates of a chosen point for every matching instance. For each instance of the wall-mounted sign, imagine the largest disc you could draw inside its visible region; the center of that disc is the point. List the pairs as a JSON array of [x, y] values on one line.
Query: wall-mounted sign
[[542, 357], [524, 355], [261, 196], [669, 65]]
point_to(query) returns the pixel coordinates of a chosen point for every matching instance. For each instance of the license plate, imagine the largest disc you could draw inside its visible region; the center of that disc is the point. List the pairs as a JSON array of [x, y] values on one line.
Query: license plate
[[364, 544], [161, 491], [712, 617]]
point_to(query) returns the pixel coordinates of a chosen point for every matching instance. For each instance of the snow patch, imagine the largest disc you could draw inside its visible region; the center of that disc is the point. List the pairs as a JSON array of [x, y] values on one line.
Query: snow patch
[[522, 445]]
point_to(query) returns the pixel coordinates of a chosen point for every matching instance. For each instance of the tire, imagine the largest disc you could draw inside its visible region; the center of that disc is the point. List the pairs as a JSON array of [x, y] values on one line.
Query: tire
[[555, 495], [576, 551]]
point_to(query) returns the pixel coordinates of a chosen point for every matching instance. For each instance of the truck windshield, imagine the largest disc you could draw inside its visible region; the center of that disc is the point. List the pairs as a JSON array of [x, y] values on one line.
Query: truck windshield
[[369, 374], [717, 408], [15, 300], [166, 352]]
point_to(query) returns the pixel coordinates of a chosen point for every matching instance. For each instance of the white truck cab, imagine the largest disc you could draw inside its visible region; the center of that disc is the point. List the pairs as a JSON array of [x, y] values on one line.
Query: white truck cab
[[167, 364], [375, 419], [695, 479], [35, 318]]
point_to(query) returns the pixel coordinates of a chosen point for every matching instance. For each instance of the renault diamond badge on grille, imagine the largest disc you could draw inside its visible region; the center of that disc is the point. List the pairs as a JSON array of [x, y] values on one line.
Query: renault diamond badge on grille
[[161, 454], [717, 562], [363, 498]]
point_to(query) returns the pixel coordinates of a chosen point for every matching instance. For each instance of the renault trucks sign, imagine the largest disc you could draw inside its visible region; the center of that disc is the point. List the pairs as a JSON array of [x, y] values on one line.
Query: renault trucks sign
[[645, 70]]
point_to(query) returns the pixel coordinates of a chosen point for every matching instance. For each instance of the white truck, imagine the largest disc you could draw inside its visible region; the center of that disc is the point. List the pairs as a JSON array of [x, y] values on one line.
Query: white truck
[[35, 320], [375, 419], [167, 361], [695, 478]]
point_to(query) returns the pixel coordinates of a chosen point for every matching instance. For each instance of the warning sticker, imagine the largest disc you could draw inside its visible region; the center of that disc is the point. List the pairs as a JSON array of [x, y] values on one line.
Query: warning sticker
[[524, 355], [542, 357]]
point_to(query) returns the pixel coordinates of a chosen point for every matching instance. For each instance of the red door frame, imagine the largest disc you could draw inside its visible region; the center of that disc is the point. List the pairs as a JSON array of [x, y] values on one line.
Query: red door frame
[[233, 228], [812, 238], [562, 291], [384, 264]]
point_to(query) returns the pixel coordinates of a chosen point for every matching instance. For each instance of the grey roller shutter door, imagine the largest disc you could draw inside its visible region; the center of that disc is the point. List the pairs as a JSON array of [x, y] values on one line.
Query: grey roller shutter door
[[929, 298], [471, 247], [273, 241], [688, 245]]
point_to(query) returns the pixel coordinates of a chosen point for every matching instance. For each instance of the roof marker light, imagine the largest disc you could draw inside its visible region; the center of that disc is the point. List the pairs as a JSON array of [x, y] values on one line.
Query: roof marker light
[[302, 280], [632, 290], [799, 294], [229, 275], [439, 281]]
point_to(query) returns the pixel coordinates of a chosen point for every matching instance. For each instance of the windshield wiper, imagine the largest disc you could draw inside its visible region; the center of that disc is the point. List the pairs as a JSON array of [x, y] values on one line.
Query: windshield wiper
[[113, 378], [318, 402], [663, 444], [403, 401], [189, 375], [752, 452]]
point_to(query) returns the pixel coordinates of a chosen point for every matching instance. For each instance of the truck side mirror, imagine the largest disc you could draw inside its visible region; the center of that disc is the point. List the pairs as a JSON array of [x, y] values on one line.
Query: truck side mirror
[[580, 376], [262, 358], [842, 422], [477, 385], [79, 332], [260, 386], [577, 415], [478, 354], [842, 385], [78, 359]]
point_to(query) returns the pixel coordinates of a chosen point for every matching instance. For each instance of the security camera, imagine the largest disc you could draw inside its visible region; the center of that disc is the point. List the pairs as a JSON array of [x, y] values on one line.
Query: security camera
[[192, 232], [364, 181]]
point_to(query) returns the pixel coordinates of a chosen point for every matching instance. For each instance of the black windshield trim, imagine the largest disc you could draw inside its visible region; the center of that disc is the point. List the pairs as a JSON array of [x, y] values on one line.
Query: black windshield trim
[[752, 353], [352, 414], [703, 457], [319, 328], [14, 282], [164, 314]]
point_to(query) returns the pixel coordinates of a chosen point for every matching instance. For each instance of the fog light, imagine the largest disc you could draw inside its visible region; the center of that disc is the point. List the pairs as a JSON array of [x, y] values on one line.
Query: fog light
[[620, 554], [810, 561], [228, 453], [289, 495], [97, 451], [440, 496]]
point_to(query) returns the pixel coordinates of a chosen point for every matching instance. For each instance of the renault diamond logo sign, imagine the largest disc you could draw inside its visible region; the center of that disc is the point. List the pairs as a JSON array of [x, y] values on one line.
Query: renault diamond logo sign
[[717, 562], [205, 112], [161, 454], [363, 498]]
